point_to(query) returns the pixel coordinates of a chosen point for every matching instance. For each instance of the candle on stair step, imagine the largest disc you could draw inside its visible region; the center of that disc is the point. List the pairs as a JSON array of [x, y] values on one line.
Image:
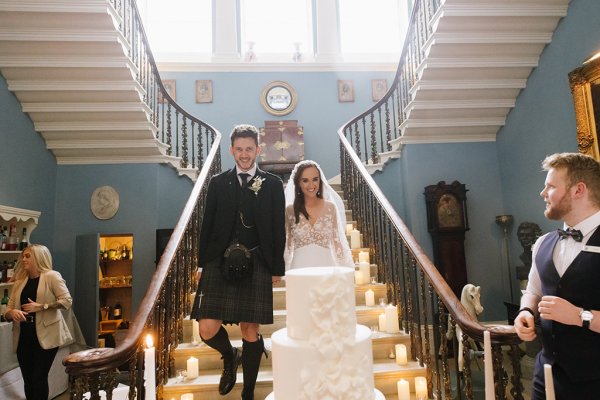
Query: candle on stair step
[[369, 298], [382, 322], [421, 387], [349, 228], [195, 332], [357, 277], [187, 396], [355, 239], [391, 319], [192, 368], [365, 272], [363, 256], [403, 390], [401, 356]]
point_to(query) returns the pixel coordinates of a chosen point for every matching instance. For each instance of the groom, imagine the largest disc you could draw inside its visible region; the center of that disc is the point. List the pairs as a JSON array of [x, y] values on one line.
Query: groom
[[244, 205]]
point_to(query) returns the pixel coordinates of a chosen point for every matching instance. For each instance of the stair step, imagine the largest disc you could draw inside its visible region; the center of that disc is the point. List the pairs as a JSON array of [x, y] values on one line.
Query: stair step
[[209, 358], [386, 374]]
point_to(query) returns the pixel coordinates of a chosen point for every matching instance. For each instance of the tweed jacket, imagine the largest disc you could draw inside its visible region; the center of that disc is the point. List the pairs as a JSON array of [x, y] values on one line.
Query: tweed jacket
[[50, 326]]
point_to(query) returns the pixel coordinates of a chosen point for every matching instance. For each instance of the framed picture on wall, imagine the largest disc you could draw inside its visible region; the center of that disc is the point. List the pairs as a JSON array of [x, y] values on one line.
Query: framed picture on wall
[[204, 91], [171, 88], [345, 91], [378, 88]]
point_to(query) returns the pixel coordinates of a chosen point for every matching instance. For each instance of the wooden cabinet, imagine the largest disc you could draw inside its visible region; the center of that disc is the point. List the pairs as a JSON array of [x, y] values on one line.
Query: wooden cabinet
[[22, 218], [104, 274]]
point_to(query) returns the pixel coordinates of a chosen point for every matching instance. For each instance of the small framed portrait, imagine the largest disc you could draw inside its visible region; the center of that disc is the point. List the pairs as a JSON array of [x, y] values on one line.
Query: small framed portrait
[[345, 91], [204, 91], [171, 88], [378, 88]]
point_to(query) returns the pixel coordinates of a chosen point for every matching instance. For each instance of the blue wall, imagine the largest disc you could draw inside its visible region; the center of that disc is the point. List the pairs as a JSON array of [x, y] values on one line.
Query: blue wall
[[27, 169], [236, 100]]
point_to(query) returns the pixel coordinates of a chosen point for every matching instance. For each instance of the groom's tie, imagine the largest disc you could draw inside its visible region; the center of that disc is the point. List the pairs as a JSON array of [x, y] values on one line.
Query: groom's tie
[[244, 177]]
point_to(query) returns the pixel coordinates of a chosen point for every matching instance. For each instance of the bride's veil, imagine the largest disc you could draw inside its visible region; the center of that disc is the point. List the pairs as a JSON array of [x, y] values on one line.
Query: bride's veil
[[328, 194]]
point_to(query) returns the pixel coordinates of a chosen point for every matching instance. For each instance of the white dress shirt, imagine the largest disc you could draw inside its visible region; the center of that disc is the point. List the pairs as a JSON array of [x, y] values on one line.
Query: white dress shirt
[[564, 253]]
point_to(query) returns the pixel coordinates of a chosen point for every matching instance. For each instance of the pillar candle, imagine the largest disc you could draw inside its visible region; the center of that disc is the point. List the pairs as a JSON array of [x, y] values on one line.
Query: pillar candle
[[355, 239], [391, 319], [489, 369], [421, 387], [401, 356], [365, 271], [357, 277], [369, 298], [403, 390], [382, 322], [349, 228], [195, 331], [549, 380], [149, 369], [192, 368], [363, 256], [187, 396]]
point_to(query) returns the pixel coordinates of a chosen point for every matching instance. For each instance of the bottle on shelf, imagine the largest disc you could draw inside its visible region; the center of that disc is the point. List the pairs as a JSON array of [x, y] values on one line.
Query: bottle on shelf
[[4, 270], [24, 241], [118, 310], [3, 305], [2, 239], [13, 240], [11, 270]]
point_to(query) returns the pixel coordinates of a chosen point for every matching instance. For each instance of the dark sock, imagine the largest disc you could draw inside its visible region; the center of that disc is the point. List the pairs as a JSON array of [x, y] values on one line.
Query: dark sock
[[220, 342], [251, 356]]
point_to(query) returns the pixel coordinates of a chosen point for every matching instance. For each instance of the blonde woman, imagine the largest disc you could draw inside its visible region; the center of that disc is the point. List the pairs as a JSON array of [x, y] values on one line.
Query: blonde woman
[[38, 325]]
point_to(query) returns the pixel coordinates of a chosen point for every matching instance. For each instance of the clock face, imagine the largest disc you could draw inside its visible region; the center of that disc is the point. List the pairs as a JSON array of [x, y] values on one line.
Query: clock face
[[104, 202], [449, 212]]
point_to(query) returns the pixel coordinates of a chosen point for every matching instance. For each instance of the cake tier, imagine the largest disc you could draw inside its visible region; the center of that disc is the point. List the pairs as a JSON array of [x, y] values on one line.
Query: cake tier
[[324, 367], [320, 299]]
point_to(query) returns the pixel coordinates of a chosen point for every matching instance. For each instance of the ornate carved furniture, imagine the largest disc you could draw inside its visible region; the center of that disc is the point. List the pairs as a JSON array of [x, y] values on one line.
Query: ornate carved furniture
[[282, 145]]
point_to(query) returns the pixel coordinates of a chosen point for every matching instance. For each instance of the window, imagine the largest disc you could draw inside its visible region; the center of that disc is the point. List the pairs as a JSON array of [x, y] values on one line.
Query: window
[[276, 27], [372, 27], [177, 26]]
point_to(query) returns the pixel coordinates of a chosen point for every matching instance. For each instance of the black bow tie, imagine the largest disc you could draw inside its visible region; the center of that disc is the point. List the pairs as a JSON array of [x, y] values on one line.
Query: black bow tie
[[575, 234]]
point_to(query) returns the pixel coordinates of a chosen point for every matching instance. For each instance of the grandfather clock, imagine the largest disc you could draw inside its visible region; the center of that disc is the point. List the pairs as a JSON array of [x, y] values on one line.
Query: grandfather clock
[[447, 223]]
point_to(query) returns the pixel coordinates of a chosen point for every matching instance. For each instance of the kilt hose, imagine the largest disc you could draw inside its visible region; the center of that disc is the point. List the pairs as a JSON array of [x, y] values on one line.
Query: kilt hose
[[247, 301]]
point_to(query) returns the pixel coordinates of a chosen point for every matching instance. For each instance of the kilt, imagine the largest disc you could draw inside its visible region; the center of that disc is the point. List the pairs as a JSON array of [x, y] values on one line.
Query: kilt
[[247, 301]]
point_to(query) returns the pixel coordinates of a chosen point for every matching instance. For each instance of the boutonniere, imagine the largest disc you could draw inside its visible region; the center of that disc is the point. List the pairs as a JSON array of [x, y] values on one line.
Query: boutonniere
[[256, 184]]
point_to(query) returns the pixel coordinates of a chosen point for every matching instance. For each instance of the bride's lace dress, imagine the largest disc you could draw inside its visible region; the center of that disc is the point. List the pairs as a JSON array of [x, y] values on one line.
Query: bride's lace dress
[[318, 244]]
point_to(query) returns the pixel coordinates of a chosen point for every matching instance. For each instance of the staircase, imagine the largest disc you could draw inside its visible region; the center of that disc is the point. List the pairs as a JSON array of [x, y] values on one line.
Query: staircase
[[76, 76], [463, 70], [385, 370]]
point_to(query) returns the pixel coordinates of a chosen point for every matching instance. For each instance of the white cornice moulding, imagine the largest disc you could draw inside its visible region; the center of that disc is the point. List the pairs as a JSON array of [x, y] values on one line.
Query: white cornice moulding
[[276, 67]]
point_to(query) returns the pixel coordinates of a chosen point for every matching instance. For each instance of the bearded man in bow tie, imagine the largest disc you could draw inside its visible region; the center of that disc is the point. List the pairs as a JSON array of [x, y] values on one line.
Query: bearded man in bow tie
[[564, 281]]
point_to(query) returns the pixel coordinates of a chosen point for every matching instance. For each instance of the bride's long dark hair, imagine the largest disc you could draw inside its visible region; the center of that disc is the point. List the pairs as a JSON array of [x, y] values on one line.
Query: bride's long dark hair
[[299, 206]]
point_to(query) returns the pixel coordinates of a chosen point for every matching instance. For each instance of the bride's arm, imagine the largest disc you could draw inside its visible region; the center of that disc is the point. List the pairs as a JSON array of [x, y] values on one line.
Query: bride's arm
[[341, 249], [289, 240]]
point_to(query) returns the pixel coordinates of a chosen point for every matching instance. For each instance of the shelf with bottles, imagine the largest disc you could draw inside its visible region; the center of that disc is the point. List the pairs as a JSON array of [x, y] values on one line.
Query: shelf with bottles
[[19, 224]]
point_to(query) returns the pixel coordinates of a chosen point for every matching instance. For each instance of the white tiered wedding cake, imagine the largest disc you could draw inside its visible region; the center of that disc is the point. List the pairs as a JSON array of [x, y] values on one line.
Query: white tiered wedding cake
[[323, 353]]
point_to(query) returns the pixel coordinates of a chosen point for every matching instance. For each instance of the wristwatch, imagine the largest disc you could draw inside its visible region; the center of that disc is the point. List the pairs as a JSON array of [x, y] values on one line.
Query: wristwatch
[[45, 306], [586, 317]]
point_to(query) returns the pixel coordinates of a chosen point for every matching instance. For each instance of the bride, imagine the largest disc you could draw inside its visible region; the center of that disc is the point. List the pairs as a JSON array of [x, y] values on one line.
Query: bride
[[315, 221]]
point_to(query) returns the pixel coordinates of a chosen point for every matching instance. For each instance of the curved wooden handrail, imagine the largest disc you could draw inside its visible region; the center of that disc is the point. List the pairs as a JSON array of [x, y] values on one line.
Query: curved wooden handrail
[[502, 334], [94, 360]]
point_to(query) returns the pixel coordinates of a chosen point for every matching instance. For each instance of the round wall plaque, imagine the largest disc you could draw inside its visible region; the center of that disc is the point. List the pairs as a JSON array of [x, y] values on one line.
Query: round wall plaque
[[104, 202]]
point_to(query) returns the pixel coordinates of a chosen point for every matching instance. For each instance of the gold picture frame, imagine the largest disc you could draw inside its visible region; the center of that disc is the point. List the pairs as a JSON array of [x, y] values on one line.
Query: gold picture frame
[[279, 98], [204, 91], [585, 88]]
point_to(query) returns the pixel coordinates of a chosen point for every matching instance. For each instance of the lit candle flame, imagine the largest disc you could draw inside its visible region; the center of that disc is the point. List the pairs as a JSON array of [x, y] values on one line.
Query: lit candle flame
[[149, 341]]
